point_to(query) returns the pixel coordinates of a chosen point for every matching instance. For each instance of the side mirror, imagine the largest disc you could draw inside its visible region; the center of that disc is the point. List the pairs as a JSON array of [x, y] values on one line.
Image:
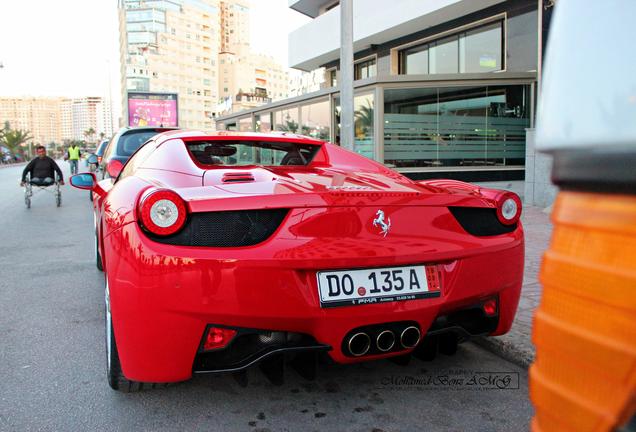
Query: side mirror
[[113, 168], [83, 181]]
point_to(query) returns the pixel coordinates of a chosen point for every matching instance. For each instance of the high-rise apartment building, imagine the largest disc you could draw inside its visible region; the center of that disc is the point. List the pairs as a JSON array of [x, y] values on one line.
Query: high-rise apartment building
[[56, 119], [43, 117], [91, 112], [246, 79], [235, 26], [249, 80], [199, 49], [171, 46]]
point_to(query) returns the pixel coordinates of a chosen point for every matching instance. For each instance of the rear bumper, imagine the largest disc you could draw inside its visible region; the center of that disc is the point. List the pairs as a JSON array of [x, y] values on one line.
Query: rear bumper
[[163, 297]]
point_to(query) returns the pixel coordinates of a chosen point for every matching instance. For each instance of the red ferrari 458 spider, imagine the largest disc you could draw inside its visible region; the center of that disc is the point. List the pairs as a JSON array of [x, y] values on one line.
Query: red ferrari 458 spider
[[225, 250]]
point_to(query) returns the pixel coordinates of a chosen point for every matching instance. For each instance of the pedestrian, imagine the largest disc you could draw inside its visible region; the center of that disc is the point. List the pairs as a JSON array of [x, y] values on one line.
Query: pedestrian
[[73, 156], [42, 169]]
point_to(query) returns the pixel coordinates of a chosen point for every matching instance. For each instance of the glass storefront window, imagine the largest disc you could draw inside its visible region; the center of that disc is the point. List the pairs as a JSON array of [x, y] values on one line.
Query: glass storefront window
[[263, 122], [456, 126], [245, 124], [286, 120], [364, 107], [314, 120]]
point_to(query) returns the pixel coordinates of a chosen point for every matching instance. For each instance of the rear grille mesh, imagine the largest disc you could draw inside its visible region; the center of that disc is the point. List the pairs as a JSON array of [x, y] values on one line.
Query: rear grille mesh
[[480, 221], [226, 228]]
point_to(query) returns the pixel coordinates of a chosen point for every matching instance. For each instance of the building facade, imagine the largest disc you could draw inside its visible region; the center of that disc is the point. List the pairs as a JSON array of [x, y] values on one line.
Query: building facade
[[57, 119], [199, 49], [46, 118], [249, 80], [443, 88], [92, 112], [171, 46]]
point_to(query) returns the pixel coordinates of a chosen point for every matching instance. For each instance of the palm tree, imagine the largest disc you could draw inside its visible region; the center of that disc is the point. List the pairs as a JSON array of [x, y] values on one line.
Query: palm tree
[[364, 118], [289, 126], [88, 133], [14, 138]]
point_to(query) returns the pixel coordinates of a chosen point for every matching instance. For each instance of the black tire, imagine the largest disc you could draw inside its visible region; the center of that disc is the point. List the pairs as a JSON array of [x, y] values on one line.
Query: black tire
[[98, 256]]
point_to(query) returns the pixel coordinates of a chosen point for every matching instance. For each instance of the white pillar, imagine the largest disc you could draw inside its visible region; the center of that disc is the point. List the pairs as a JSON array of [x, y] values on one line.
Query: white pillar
[[346, 74]]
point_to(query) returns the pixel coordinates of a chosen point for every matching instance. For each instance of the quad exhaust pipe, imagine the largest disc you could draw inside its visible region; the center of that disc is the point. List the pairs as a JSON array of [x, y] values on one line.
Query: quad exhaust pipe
[[410, 337], [359, 344], [385, 340]]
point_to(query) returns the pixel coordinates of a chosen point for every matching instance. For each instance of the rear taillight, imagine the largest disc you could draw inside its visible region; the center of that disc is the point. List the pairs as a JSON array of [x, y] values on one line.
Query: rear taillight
[[113, 168], [217, 337], [162, 212], [508, 208], [99, 159]]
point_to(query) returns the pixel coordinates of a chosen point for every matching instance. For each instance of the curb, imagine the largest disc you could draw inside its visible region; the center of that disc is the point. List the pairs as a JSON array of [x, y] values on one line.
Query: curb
[[514, 353]]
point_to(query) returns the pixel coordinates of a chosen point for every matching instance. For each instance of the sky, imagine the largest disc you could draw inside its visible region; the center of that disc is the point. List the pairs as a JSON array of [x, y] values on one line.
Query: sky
[[71, 47]]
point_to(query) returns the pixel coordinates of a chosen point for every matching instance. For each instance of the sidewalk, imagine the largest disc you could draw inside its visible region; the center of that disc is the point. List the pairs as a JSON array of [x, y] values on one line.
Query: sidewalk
[[516, 345]]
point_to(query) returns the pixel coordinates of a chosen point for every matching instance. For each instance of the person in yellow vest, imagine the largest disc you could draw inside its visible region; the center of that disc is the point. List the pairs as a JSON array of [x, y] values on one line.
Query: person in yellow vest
[[73, 156]]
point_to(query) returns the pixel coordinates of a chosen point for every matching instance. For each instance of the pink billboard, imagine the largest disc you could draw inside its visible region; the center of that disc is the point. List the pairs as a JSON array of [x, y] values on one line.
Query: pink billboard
[[152, 109]]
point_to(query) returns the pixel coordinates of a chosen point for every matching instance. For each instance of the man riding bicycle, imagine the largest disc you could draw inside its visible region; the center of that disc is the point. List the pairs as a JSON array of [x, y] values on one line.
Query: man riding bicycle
[[42, 169]]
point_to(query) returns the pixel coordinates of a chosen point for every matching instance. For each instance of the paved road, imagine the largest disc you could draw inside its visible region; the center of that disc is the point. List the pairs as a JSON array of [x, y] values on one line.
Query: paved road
[[52, 361]]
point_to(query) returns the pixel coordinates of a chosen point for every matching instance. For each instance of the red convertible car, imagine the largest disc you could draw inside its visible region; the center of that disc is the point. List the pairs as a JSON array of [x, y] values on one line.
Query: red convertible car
[[226, 250]]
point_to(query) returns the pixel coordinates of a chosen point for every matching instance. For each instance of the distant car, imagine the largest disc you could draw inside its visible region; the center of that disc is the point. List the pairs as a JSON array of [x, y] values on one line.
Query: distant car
[[224, 250], [123, 144], [101, 148]]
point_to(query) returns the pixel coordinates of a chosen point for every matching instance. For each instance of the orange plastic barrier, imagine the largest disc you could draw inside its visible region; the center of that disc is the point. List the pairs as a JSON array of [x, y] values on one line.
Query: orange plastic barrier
[[584, 375]]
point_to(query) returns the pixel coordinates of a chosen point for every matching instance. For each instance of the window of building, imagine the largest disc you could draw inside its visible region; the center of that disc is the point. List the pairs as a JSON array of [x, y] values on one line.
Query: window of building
[[472, 51], [142, 37], [364, 69], [332, 78]]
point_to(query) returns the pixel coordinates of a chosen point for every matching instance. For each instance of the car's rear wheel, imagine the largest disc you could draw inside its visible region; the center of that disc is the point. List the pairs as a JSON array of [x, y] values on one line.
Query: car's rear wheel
[[116, 378]]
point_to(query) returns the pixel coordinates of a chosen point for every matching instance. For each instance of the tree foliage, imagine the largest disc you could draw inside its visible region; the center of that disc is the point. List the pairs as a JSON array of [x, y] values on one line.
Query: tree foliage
[[14, 138]]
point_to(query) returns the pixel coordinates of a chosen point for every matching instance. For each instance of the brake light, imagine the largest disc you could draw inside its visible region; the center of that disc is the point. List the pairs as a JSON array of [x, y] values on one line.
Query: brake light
[[217, 337], [162, 212], [508, 208], [99, 159], [113, 168]]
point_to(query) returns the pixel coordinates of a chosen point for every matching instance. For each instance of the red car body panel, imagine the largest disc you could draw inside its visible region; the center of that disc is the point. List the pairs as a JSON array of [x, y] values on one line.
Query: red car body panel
[[163, 296]]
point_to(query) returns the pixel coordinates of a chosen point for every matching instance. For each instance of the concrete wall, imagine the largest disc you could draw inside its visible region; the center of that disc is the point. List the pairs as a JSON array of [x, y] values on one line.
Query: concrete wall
[[538, 189], [375, 22]]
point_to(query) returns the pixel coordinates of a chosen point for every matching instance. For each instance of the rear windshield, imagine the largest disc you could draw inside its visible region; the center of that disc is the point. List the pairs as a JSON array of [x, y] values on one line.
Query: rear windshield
[[269, 153], [132, 140], [101, 148]]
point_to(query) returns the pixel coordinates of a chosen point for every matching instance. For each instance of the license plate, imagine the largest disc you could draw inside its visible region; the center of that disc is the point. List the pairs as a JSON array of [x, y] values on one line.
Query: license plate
[[377, 285]]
